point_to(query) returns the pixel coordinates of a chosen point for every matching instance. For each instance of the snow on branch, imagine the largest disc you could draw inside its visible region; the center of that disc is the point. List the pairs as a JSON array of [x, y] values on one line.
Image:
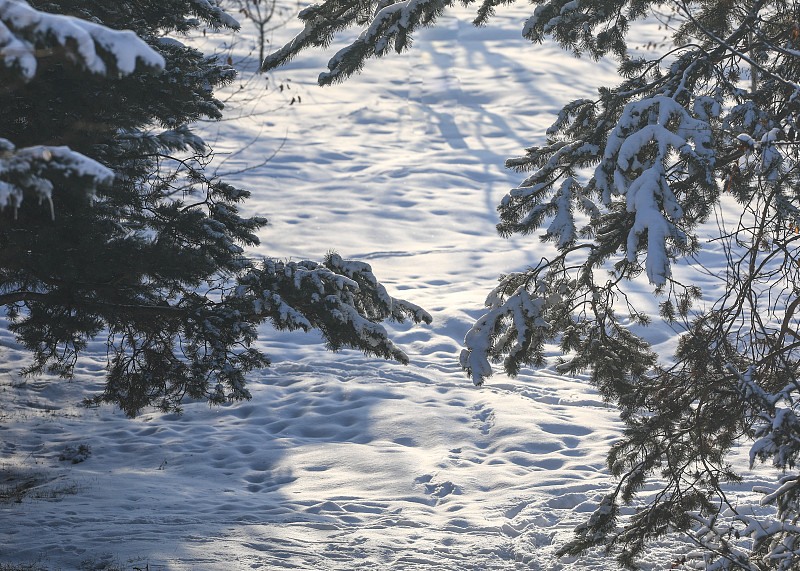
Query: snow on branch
[[391, 26], [516, 325], [342, 299], [28, 169], [23, 30], [219, 17], [647, 136]]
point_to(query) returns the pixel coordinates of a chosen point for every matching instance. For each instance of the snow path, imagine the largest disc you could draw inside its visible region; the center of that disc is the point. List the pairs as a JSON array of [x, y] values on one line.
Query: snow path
[[330, 466], [343, 462]]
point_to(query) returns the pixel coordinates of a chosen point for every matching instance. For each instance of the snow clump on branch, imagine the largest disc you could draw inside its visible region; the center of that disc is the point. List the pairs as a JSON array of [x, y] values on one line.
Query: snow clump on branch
[[23, 31]]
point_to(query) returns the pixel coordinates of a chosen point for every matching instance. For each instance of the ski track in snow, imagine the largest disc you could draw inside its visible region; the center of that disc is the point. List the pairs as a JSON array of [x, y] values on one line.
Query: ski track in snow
[[339, 461]]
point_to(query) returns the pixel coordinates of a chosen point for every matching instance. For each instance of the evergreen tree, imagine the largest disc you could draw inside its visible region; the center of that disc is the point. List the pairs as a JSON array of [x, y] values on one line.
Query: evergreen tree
[[715, 114], [112, 227]]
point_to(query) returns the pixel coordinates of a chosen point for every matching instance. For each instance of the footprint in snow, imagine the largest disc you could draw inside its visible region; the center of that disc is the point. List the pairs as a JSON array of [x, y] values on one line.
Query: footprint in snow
[[485, 417], [437, 489], [441, 490]]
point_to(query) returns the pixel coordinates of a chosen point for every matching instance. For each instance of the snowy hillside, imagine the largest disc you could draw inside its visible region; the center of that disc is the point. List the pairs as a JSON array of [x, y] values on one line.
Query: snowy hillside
[[340, 461]]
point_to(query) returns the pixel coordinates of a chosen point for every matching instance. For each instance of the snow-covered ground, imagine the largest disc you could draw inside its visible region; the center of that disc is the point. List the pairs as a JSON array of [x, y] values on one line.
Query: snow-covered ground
[[339, 461]]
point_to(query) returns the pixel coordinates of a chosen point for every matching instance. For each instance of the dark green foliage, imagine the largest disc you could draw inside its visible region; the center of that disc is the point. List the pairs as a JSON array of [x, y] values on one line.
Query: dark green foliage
[[152, 257]]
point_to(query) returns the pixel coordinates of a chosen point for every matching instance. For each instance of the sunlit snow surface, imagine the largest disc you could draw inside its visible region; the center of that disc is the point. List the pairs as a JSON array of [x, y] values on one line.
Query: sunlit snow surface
[[339, 461]]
